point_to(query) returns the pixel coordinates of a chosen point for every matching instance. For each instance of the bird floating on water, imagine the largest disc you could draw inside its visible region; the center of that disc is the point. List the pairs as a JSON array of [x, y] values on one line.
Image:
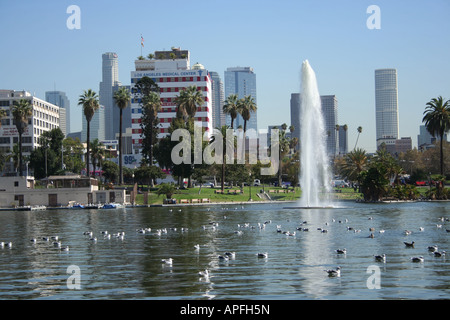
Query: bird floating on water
[[341, 251], [380, 258], [433, 248], [334, 272], [417, 259], [231, 255], [439, 254], [204, 273], [262, 255], [167, 261], [409, 244]]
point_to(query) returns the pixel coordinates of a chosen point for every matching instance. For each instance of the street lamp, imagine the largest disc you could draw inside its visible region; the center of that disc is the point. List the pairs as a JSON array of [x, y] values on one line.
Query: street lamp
[[250, 187]]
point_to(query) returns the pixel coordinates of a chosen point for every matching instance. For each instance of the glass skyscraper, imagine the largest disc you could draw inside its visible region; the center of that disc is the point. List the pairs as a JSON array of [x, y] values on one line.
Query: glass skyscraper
[[330, 114], [386, 107], [218, 117], [60, 99], [241, 81], [110, 79]]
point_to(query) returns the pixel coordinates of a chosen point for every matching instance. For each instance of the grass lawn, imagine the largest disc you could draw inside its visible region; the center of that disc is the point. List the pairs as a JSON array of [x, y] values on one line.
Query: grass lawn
[[275, 193], [209, 193]]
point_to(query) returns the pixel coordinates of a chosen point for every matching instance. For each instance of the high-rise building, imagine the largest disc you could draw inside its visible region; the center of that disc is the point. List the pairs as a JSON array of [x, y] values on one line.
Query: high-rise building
[[110, 79], [241, 81], [45, 117], [172, 72], [386, 107], [218, 117], [295, 115], [425, 138], [343, 139], [330, 115], [60, 99]]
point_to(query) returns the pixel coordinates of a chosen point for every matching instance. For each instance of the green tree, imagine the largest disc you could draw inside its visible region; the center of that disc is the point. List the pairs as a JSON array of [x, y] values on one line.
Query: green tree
[[437, 121], [97, 153], [146, 91], [359, 130], [374, 183], [89, 102], [73, 153], [148, 174], [166, 189], [21, 111], [231, 107], [110, 171], [46, 160], [246, 106], [188, 101], [355, 162], [151, 105], [122, 99]]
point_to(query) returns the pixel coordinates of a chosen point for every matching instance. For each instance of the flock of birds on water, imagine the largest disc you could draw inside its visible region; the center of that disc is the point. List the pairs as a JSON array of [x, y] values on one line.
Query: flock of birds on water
[[204, 274]]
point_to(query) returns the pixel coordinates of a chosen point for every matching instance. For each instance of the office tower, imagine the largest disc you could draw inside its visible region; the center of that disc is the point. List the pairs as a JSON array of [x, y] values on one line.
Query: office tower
[[386, 107], [241, 81], [295, 115], [425, 138], [45, 117], [96, 126], [330, 115], [343, 139], [60, 99], [218, 117], [110, 79], [172, 72]]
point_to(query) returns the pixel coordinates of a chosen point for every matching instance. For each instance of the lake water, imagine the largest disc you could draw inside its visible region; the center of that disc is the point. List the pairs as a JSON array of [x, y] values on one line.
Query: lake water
[[131, 267]]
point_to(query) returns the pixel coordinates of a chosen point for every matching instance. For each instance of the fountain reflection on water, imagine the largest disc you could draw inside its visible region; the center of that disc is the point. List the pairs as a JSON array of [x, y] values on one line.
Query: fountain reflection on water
[[314, 171]]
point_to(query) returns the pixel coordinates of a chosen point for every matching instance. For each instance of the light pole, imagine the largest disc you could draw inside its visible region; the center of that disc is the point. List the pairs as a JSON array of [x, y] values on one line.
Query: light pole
[[250, 187]]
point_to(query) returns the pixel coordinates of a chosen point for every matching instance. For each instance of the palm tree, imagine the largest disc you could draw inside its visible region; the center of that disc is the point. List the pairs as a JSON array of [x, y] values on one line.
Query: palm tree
[[122, 98], [356, 161], [359, 129], [245, 106], [21, 111], [437, 122], [188, 101], [97, 152], [345, 147], [89, 101], [231, 107], [2, 115], [151, 105]]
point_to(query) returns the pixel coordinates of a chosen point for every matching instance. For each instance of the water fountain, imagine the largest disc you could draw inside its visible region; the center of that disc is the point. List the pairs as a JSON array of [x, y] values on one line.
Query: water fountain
[[314, 171]]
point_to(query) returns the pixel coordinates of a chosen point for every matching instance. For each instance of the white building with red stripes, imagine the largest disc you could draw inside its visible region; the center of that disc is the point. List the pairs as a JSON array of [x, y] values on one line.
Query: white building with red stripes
[[172, 72]]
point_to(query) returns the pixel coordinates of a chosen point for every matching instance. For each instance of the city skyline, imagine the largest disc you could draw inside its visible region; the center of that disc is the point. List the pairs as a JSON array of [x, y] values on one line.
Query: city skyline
[[332, 35]]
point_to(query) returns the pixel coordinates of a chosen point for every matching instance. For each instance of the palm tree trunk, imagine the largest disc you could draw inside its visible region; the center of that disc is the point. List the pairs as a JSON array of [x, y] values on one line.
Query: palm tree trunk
[[442, 155], [120, 150], [88, 134], [20, 154]]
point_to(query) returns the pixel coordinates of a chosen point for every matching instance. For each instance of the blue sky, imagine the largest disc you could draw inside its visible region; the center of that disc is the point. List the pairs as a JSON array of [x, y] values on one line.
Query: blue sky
[[38, 51]]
